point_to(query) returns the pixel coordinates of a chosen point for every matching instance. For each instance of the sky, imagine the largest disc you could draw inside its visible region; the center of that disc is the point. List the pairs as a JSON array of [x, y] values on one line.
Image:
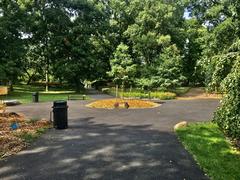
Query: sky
[[186, 14]]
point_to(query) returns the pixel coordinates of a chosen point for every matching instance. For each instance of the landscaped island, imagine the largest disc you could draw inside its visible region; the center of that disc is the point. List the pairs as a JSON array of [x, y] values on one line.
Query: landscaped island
[[122, 103]]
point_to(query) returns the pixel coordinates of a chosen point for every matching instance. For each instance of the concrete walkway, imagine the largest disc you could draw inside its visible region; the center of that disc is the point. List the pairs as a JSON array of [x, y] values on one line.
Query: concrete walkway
[[110, 144]]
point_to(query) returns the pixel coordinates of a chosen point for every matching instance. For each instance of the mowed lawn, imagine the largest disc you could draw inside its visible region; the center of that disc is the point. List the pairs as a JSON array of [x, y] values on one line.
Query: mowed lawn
[[212, 151], [23, 93]]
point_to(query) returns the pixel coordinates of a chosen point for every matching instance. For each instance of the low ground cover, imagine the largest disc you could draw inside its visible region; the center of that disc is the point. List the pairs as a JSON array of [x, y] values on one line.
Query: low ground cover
[[214, 153], [137, 93], [120, 103], [23, 93], [17, 132]]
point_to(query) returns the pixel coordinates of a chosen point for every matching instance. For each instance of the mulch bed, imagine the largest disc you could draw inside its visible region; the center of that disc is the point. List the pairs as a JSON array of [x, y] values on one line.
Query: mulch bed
[[120, 103], [10, 140]]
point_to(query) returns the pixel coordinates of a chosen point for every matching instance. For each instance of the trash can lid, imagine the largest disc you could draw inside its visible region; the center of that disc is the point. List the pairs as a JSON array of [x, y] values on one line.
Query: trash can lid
[[59, 103], [35, 93]]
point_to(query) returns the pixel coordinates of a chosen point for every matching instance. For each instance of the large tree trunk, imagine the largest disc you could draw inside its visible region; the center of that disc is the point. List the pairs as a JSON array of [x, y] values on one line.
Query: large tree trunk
[[78, 85]]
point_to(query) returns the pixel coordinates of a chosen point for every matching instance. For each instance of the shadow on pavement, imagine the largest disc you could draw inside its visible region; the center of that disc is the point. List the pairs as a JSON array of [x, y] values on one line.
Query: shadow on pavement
[[88, 150]]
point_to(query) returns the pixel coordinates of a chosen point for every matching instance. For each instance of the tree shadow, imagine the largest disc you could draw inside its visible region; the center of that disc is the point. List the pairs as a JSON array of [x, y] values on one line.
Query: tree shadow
[[90, 150]]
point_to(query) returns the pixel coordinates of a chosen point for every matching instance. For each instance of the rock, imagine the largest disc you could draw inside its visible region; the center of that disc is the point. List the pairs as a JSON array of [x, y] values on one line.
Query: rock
[[116, 105], [126, 105], [180, 125]]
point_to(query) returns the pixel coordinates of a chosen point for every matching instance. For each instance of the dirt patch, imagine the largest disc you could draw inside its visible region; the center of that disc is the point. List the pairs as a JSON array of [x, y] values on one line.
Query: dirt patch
[[199, 93], [122, 103], [16, 131]]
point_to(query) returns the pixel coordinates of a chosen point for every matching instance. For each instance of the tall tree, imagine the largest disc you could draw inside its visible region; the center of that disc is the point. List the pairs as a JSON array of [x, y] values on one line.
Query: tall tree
[[82, 45], [11, 40], [50, 25]]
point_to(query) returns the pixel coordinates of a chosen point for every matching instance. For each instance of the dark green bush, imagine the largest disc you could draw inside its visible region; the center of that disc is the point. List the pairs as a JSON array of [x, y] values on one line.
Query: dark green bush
[[227, 115]]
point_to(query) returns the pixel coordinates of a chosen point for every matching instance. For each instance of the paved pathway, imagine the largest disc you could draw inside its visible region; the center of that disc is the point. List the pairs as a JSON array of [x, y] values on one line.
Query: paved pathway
[[110, 144]]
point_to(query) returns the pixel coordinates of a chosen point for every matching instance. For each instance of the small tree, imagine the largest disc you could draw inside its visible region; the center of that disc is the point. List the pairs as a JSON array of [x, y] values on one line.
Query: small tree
[[169, 66], [122, 67]]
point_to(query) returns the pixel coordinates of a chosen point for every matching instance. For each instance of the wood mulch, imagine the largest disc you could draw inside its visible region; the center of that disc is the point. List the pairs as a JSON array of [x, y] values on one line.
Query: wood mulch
[[132, 103], [11, 141]]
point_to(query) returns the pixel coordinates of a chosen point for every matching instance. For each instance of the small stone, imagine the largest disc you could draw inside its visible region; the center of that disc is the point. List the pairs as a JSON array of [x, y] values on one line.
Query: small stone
[[180, 125], [116, 105], [126, 105]]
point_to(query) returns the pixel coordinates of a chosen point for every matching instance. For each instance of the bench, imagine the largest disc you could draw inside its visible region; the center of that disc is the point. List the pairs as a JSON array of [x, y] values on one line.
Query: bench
[[76, 97], [12, 102]]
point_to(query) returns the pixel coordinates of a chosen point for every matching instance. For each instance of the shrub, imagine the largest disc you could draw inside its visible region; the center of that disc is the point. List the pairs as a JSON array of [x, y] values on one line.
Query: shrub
[[163, 95], [227, 115], [155, 95], [137, 93]]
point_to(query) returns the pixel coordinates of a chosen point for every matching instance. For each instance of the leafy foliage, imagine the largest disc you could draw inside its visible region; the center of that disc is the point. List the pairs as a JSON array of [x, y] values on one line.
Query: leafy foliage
[[122, 67], [167, 72], [228, 116], [12, 46]]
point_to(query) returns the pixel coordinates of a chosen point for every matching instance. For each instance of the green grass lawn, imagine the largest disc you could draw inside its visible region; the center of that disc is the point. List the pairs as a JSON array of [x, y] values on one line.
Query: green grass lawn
[[31, 137], [211, 150], [23, 93]]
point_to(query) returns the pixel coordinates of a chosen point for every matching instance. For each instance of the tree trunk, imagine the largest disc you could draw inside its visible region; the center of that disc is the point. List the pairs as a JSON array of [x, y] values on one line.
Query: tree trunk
[[10, 85], [123, 88], [149, 95], [29, 79], [47, 79], [116, 91], [78, 85]]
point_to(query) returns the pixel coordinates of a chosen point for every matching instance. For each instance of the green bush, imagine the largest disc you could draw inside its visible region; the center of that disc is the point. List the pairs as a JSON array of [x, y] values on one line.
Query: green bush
[[227, 115], [163, 95], [138, 93], [151, 95]]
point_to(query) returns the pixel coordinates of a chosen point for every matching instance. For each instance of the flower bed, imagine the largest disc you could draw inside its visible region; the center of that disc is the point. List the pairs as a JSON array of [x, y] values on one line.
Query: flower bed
[[121, 103]]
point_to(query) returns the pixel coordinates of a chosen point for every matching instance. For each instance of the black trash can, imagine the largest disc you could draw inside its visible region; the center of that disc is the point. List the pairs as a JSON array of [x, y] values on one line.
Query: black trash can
[[60, 114], [35, 97]]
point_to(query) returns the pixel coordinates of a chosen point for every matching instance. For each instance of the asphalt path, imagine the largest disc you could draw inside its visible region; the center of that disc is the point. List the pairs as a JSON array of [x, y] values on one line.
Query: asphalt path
[[110, 144]]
